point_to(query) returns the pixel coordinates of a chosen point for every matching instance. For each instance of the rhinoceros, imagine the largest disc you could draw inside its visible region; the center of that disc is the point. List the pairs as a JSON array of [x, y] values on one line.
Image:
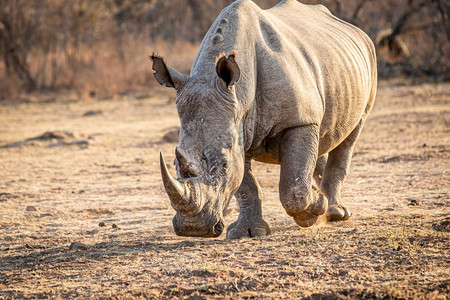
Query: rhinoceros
[[291, 85]]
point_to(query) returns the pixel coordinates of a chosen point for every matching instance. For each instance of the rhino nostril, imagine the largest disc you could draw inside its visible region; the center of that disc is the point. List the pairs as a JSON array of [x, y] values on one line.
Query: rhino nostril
[[187, 170], [218, 228]]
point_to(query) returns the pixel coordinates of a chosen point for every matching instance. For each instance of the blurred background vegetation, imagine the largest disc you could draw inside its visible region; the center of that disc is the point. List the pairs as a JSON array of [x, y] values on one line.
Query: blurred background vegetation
[[100, 48]]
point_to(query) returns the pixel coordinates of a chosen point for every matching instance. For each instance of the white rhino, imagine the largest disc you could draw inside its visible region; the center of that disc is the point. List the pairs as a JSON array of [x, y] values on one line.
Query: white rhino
[[291, 85]]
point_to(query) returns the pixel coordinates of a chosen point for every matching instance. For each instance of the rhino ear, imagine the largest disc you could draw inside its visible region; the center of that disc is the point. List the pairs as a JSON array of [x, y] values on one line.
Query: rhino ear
[[227, 69], [165, 74]]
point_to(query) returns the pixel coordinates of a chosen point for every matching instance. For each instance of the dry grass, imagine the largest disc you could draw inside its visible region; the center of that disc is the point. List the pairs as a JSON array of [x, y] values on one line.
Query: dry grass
[[109, 67], [396, 245], [99, 49]]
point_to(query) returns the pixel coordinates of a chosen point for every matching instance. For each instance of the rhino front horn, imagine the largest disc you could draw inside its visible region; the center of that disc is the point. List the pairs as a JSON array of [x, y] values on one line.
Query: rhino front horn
[[185, 195]]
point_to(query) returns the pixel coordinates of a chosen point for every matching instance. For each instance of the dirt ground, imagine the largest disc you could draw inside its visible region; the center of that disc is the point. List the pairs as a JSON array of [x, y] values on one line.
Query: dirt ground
[[95, 179]]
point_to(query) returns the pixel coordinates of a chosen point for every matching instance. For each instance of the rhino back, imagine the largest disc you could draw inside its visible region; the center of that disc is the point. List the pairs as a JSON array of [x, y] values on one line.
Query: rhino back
[[300, 65]]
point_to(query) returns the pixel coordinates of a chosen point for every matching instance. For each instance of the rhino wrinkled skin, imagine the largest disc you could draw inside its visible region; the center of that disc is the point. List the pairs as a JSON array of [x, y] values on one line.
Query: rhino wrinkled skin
[[291, 85]]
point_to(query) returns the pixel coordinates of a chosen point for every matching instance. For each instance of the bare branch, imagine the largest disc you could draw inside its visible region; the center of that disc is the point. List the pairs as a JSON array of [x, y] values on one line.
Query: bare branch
[[444, 7]]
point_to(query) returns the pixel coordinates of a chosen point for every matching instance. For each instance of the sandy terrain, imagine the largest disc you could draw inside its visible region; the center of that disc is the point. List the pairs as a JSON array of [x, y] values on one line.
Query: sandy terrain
[[95, 180]]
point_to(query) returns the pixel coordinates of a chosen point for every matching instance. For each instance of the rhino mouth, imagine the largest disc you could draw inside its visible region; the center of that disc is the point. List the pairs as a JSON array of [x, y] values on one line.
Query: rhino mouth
[[183, 227], [198, 205]]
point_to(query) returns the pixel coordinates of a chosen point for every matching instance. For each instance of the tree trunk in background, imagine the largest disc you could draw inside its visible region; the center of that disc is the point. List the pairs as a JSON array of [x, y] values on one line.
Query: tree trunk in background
[[14, 57], [102, 45], [444, 9]]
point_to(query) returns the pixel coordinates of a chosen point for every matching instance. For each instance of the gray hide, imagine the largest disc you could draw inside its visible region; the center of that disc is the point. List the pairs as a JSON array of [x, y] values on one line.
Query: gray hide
[[291, 85]]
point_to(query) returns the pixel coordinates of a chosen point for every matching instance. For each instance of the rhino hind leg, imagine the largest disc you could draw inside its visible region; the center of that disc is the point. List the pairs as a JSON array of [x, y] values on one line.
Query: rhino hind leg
[[250, 222], [320, 167], [336, 169], [298, 159]]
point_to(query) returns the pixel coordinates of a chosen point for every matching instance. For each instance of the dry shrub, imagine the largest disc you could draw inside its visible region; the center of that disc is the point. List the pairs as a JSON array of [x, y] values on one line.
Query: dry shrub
[[101, 70], [93, 48], [109, 66], [10, 87], [100, 48]]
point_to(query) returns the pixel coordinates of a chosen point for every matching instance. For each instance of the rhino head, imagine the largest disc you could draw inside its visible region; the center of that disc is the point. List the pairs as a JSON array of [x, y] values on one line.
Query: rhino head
[[210, 156]]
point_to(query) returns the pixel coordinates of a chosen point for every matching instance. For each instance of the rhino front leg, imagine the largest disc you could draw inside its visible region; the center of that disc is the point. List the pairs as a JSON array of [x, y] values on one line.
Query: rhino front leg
[[298, 158], [336, 169], [250, 222]]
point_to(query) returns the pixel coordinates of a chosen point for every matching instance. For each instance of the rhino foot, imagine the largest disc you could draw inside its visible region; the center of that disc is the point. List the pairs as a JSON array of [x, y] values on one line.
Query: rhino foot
[[241, 229], [306, 219], [309, 216], [338, 213]]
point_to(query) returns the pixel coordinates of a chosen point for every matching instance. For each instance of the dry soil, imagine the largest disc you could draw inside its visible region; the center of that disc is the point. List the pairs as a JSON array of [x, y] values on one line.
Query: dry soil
[[88, 172]]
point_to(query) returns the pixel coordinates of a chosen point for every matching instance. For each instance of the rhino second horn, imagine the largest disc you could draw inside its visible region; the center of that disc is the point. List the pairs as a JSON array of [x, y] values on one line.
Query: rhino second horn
[[181, 156], [185, 196]]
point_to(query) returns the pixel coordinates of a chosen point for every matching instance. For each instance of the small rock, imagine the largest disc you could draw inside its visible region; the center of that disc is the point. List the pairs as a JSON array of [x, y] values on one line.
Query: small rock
[[102, 224], [4, 197], [352, 231], [139, 161], [443, 226], [14, 144], [390, 159], [78, 246], [90, 113], [81, 143], [45, 215], [414, 202], [115, 226], [50, 135], [31, 208], [171, 136]]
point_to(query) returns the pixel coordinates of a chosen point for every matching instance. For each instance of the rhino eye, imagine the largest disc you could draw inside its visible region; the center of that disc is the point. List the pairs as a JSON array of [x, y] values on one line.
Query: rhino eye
[[225, 166]]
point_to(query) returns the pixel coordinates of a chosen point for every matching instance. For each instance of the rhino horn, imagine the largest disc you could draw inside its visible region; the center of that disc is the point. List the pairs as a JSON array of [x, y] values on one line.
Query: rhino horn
[[180, 154], [186, 168], [185, 195]]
